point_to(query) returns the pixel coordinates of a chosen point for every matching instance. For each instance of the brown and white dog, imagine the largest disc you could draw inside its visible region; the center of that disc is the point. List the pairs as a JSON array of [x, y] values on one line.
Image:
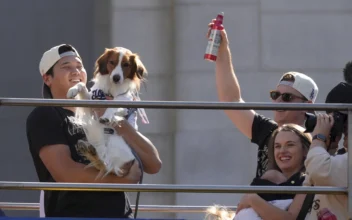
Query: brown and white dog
[[118, 73]]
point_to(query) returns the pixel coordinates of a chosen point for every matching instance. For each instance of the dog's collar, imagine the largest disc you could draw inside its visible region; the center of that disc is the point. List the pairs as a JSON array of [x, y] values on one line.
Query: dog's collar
[[124, 92], [128, 90]]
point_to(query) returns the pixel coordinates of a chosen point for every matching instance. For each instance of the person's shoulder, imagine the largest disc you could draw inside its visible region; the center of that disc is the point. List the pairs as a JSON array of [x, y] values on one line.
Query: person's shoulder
[[258, 118], [297, 179], [262, 124], [262, 128], [257, 181], [40, 111]]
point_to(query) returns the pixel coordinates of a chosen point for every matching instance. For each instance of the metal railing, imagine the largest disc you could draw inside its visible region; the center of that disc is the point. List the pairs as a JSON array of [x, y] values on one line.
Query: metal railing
[[142, 208], [185, 188], [172, 104], [169, 188]]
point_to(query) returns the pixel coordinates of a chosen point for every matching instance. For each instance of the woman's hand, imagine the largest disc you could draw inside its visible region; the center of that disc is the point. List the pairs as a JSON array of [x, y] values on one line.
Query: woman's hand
[[245, 202]]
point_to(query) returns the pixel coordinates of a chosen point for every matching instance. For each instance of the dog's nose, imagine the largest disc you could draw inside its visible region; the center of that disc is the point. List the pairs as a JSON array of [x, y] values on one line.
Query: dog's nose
[[116, 78]]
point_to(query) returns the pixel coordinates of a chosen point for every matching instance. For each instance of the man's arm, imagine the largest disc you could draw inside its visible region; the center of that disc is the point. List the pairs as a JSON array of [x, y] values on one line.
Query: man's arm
[[324, 169], [142, 146], [229, 90], [47, 140], [57, 159]]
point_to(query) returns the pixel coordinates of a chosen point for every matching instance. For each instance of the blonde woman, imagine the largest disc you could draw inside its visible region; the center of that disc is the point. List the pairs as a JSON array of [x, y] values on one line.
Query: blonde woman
[[288, 148]]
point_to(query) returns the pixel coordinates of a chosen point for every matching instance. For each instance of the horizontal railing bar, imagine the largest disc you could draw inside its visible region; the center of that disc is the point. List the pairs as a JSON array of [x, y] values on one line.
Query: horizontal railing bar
[[168, 188], [143, 208], [173, 104], [19, 206]]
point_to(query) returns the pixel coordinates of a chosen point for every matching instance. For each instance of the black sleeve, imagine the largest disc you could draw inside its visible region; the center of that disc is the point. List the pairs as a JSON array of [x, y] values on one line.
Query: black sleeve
[[45, 127], [262, 127]]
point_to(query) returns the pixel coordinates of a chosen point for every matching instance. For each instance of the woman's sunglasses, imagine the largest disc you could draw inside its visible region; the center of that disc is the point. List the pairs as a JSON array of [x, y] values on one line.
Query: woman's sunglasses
[[286, 97]]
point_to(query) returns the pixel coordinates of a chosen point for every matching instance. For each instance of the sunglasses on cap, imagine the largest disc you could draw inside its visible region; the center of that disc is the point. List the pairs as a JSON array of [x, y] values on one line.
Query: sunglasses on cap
[[286, 97]]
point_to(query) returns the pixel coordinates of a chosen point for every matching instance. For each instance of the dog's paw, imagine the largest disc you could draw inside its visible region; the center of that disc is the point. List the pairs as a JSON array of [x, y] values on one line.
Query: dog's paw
[[121, 112], [117, 118], [72, 92], [107, 117], [112, 122], [75, 90], [80, 86], [104, 120]]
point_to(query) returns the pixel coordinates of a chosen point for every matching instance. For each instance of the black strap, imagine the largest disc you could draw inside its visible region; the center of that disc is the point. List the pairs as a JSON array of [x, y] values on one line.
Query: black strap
[[306, 206], [130, 112], [140, 182]]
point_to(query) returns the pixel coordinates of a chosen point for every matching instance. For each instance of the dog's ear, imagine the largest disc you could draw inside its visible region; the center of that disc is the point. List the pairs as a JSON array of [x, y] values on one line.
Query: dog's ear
[[137, 66], [102, 63]]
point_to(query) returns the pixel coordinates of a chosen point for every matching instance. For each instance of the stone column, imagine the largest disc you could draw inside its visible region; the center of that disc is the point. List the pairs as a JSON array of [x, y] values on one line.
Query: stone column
[[146, 27]]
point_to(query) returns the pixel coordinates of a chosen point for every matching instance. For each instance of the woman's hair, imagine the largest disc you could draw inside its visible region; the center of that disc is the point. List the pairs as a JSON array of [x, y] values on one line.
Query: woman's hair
[[306, 140]]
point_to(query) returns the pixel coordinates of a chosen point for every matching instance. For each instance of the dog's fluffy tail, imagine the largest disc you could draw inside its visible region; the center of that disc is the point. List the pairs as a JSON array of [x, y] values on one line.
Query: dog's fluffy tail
[[217, 212]]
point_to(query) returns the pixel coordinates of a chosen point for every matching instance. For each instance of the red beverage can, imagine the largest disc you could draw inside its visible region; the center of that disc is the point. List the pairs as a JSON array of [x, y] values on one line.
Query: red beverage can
[[214, 40]]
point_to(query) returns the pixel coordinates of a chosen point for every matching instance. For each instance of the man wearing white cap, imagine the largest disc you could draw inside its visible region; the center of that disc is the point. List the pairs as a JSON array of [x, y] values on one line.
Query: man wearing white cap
[[292, 87], [53, 140]]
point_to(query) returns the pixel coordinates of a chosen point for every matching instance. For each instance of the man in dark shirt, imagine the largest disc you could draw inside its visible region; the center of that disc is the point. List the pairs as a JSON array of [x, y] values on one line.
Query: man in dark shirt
[[292, 87], [53, 145]]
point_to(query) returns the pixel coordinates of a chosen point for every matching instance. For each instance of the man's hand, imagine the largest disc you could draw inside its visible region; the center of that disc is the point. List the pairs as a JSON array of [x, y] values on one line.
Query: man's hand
[[122, 127], [224, 40], [135, 173]]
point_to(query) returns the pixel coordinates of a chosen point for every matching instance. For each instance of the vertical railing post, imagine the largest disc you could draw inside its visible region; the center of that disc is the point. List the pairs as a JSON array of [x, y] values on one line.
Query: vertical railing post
[[349, 164]]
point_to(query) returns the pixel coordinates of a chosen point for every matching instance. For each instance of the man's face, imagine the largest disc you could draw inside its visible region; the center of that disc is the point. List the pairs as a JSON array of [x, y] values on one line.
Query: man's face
[[68, 71], [283, 116]]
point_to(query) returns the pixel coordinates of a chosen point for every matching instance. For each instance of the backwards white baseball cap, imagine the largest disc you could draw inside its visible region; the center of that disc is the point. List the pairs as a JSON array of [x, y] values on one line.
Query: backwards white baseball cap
[[302, 83], [50, 58]]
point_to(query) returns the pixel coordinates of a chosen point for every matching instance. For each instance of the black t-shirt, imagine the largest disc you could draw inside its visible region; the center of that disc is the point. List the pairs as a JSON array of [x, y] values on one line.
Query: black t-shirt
[[295, 180], [50, 126], [262, 128]]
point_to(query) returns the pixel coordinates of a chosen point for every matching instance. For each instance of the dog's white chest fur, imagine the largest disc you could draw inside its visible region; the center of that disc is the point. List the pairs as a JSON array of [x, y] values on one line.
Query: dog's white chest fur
[[111, 149]]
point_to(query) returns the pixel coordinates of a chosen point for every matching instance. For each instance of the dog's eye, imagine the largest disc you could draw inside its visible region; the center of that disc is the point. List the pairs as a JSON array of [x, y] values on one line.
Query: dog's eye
[[112, 62], [126, 65]]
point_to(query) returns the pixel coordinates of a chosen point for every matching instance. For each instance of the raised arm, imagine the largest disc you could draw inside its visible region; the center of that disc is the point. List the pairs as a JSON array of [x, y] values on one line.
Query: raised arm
[[228, 87], [322, 168]]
